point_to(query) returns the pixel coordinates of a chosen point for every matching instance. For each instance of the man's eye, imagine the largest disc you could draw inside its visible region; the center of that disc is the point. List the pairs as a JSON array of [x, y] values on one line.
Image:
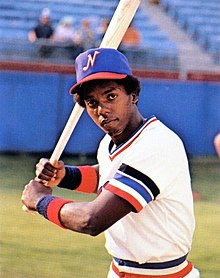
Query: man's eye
[[111, 96], [91, 103]]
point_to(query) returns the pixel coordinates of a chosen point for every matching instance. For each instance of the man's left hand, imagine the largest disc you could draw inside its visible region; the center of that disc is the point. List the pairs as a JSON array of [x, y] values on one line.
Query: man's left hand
[[33, 192]]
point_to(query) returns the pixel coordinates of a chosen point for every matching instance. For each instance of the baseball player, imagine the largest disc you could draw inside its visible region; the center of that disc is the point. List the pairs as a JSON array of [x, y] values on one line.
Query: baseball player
[[144, 201]]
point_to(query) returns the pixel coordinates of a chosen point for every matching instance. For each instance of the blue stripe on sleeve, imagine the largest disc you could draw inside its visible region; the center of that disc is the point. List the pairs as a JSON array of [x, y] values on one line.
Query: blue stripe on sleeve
[[134, 185]]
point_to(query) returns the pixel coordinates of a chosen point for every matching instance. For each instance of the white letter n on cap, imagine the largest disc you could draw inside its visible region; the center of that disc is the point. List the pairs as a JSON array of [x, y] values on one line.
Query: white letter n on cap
[[91, 60]]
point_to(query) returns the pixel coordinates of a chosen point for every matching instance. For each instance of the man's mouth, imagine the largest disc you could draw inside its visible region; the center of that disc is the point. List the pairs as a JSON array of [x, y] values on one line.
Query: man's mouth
[[105, 122]]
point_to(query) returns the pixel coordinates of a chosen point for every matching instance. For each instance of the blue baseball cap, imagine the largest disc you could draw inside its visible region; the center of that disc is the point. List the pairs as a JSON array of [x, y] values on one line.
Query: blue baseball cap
[[100, 63]]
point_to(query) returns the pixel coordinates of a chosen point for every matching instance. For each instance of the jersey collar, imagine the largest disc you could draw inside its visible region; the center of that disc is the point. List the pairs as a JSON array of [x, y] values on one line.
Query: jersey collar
[[123, 146]]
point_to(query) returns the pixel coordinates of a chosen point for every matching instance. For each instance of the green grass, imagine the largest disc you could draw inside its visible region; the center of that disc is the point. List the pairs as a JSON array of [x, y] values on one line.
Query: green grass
[[31, 247], [205, 252]]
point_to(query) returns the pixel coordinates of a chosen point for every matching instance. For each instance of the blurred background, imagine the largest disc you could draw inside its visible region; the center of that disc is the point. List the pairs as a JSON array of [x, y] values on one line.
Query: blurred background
[[173, 46]]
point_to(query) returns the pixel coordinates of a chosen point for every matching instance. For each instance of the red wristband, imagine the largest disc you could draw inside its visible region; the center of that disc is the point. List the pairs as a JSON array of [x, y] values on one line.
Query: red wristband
[[89, 179], [53, 210]]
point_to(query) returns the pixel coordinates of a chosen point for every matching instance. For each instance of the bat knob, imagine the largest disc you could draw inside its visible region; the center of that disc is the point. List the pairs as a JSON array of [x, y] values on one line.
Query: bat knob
[[25, 209]]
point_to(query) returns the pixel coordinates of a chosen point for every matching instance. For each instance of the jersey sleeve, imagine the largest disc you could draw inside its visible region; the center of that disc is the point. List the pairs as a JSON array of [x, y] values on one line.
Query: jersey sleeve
[[134, 186], [147, 170]]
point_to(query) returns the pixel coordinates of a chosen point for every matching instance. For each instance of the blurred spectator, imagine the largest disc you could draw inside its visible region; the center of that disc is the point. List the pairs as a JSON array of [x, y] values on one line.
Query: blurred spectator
[[86, 34], [42, 31], [65, 32], [66, 36], [217, 144], [100, 32], [131, 37]]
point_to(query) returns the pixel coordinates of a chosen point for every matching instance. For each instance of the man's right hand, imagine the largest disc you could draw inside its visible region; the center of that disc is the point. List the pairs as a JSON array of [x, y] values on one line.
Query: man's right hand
[[50, 174]]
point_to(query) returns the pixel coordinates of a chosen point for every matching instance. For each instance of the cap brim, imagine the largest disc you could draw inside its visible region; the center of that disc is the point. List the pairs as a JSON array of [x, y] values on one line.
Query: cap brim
[[98, 75]]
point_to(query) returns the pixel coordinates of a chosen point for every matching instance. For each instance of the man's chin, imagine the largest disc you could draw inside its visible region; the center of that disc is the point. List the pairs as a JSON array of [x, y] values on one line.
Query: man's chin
[[114, 133]]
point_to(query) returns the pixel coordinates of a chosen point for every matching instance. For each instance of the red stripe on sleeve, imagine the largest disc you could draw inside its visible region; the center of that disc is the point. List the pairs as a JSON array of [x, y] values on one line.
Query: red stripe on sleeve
[[134, 202]]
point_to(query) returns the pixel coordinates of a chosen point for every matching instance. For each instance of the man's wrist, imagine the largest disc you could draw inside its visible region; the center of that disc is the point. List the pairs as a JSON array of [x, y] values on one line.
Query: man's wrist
[[81, 178], [42, 204], [72, 178], [49, 206]]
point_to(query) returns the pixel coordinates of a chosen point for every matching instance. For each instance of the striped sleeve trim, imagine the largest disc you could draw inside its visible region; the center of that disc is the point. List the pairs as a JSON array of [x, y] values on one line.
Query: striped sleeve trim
[[148, 182], [134, 190], [125, 195]]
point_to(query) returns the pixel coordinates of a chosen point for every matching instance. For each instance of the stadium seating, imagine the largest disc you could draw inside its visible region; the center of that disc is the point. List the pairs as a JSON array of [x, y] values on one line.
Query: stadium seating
[[200, 19], [18, 17]]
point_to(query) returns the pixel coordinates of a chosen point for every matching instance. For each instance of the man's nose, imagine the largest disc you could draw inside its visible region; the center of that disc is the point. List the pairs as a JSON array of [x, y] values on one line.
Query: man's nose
[[103, 110]]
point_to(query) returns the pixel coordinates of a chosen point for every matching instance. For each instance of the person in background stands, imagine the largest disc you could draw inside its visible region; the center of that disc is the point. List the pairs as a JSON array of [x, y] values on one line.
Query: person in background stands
[[65, 31], [130, 43], [131, 37], [86, 34], [41, 32], [66, 36], [100, 32]]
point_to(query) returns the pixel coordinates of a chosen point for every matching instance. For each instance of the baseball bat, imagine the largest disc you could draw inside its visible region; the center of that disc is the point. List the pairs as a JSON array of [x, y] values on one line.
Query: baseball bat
[[118, 25]]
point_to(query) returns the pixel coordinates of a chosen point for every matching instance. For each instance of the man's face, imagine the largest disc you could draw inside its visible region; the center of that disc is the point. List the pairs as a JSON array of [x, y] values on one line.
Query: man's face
[[44, 20], [112, 109]]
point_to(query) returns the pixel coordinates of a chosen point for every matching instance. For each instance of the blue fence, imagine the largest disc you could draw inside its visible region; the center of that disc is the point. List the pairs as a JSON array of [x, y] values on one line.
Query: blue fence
[[36, 106]]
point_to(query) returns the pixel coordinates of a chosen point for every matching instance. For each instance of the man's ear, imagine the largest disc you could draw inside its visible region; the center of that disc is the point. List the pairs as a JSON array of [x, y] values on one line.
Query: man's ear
[[134, 98]]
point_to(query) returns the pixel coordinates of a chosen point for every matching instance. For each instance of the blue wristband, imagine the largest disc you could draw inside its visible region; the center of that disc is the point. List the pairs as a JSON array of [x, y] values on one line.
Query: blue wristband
[[43, 204], [72, 178]]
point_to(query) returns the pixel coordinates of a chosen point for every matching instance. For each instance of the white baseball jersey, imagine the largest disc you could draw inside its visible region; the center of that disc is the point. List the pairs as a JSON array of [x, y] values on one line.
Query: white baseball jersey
[[150, 170]]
